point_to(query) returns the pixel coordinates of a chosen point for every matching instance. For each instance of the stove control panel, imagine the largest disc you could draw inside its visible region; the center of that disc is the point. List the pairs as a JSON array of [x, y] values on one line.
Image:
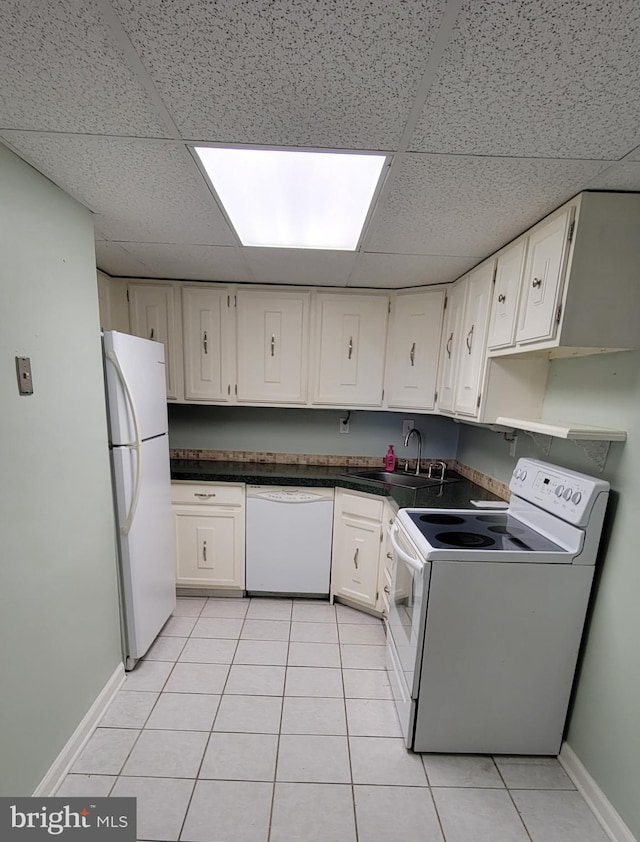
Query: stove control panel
[[567, 494]]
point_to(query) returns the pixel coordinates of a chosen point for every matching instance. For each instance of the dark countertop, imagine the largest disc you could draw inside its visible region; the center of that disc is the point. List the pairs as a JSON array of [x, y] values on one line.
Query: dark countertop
[[453, 495]]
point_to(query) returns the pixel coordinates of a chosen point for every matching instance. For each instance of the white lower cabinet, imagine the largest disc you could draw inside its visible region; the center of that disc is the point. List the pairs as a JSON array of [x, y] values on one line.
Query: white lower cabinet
[[209, 520], [357, 545]]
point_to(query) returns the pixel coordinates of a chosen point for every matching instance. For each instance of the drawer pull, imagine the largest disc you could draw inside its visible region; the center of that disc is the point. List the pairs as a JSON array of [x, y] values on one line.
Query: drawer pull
[[203, 494], [355, 557]]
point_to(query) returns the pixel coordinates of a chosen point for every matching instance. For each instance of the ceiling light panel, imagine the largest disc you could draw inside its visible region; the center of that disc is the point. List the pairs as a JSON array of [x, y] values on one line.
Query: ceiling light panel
[[286, 199]]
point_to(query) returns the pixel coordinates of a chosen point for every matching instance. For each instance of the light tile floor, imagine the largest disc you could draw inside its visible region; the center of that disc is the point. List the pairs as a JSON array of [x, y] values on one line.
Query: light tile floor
[[271, 720]]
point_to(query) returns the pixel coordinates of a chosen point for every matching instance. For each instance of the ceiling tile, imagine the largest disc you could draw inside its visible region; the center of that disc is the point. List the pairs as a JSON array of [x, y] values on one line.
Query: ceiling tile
[[116, 261], [140, 190], [538, 78], [285, 72], [394, 271], [187, 262], [622, 176], [62, 72], [300, 266], [463, 206]]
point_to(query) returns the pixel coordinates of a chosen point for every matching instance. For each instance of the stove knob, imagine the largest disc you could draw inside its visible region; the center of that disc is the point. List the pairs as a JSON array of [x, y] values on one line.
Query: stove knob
[[559, 490], [567, 493], [523, 475], [516, 473], [576, 498]]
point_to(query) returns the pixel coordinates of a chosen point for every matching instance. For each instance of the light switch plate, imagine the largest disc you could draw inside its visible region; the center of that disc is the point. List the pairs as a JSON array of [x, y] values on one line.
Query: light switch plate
[[23, 370]]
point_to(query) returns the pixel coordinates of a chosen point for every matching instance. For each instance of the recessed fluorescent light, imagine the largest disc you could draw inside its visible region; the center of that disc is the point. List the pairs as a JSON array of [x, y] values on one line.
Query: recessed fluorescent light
[[314, 200]]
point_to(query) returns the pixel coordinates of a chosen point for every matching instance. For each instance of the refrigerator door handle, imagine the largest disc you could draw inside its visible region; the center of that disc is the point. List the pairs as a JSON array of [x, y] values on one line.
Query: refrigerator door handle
[[134, 445]]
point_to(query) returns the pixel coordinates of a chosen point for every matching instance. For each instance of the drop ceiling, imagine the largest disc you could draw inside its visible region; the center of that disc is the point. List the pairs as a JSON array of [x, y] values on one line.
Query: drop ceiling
[[492, 114]]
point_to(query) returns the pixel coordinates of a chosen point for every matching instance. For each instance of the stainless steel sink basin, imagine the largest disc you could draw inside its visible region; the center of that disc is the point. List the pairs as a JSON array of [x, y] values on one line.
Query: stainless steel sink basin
[[399, 478]]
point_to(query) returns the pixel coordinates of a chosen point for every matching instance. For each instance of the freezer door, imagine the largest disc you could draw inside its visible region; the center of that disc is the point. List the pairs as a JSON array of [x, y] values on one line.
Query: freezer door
[[135, 372], [147, 551]]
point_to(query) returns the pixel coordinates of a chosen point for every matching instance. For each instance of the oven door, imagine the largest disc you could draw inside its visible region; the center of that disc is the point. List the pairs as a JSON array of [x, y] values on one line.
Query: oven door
[[405, 631]]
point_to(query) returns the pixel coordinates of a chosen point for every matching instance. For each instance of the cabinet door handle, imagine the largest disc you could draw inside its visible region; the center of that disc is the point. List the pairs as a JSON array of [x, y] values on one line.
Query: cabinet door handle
[[204, 550], [469, 339], [273, 344], [449, 341], [412, 354], [204, 494], [537, 282], [502, 298], [205, 343], [152, 334], [387, 589], [350, 346], [355, 557]]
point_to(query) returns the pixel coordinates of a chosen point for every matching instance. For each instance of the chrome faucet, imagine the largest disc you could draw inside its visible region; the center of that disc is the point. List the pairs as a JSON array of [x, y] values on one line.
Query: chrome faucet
[[406, 443]]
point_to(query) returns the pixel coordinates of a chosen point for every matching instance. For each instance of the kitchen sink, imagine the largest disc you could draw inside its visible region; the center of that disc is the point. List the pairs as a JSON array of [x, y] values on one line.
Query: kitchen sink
[[400, 478]]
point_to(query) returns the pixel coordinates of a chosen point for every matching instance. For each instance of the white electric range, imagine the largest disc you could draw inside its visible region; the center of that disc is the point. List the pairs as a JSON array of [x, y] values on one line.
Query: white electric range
[[487, 612]]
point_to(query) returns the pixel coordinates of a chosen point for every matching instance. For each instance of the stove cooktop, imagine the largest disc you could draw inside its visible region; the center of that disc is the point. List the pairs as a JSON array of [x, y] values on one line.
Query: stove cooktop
[[483, 531]]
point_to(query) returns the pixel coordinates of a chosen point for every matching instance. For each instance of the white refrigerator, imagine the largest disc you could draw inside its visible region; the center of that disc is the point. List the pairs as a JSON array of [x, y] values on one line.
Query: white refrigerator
[[139, 447]]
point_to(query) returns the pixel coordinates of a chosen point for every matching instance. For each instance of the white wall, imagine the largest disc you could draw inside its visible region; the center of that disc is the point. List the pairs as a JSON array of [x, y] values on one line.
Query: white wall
[[58, 595], [604, 724]]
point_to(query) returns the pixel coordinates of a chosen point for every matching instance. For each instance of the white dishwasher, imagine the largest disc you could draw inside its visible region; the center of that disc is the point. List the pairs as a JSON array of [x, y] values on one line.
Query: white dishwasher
[[288, 540]]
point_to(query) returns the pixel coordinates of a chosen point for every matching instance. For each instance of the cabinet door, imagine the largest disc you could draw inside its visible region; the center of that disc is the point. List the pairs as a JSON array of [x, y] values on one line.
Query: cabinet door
[[450, 344], [210, 548], [543, 278], [207, 344], [355, 560], [271, 346], [412, 354], [152, 312], [350, 349], [473, 340], [509, 268]]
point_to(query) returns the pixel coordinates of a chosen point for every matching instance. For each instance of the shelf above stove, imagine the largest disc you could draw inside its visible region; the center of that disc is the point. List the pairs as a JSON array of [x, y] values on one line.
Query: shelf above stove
[[594, 441]]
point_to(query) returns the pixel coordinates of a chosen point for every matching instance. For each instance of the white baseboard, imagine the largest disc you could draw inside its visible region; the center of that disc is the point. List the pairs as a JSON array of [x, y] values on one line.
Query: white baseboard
[[63, 762], [604, 811]]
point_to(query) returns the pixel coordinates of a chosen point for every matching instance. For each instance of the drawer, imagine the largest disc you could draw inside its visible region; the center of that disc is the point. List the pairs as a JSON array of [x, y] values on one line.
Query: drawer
[[361, 506], [208, 493]]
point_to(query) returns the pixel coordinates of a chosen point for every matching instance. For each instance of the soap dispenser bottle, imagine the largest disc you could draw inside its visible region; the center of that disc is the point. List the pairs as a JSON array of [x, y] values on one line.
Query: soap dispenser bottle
[[390, 459]]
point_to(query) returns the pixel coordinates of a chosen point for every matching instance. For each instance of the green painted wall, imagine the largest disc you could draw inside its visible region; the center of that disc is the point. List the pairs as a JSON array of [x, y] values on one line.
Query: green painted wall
[[604, 729], [59, 621], [275, 430]]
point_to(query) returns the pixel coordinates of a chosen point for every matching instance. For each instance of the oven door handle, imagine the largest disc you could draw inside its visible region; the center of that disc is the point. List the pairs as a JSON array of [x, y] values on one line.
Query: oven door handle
[[411, 562]]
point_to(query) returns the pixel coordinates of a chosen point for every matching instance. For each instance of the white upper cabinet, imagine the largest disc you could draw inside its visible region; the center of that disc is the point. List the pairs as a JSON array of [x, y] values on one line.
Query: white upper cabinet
[[208, 344], [472, 346], [449, 352], [272, 346], [412, 349], [154, 313], [506, 293], [349, 349], [579, 292], [548, 245]]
